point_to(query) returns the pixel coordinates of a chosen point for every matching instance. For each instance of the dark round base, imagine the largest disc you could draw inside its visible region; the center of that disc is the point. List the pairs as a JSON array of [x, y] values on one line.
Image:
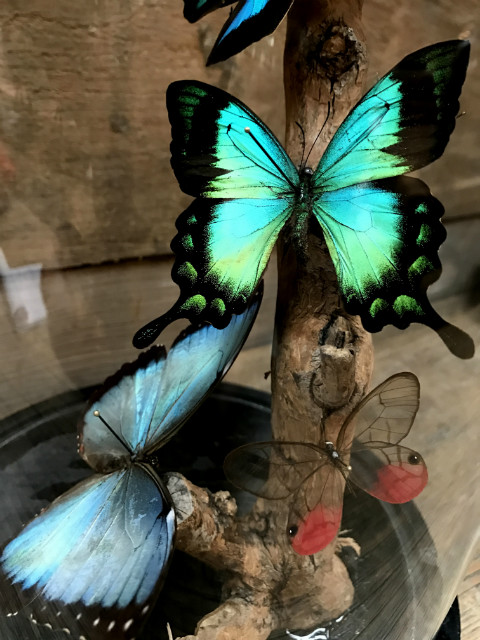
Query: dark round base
[[38, 461]]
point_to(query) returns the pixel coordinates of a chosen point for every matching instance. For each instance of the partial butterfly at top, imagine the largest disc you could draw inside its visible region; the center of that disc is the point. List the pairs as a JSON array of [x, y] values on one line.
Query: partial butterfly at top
[[382, 229], [311, 476], [251, 20], [94, 561]]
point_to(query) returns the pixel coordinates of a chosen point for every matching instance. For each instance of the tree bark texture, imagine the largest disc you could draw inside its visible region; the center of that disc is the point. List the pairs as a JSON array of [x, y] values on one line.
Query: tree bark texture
[[266, 585], [322, 357]]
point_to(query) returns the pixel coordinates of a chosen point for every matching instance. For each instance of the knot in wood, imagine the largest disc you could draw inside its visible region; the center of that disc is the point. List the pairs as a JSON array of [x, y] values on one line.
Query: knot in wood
[[334, 46], [333, 364], [225, 504], [337, 52]]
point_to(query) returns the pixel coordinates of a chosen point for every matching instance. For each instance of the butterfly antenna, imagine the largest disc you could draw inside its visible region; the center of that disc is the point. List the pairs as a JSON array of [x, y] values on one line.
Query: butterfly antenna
[[319, 133], [303, 142], [96, 413]]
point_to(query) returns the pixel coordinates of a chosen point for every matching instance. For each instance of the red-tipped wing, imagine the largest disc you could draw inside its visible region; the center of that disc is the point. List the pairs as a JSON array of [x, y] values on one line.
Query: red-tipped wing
[[316, 511], [391, 473], [301, 473], [380, 466]]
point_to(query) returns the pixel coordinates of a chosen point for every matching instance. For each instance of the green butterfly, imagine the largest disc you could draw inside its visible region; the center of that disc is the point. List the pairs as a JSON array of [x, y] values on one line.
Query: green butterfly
[[382, 229]]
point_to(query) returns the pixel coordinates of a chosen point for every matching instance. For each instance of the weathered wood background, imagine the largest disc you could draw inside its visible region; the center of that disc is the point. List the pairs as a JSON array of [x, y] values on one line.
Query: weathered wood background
[[84, 134], [85, 182]]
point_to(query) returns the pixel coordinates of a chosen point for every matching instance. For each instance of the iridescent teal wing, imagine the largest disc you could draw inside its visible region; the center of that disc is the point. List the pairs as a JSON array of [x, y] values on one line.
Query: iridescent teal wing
[[403, 123], [245, 187], [221, 149], [193, 10], [251, 20], [383, 230]]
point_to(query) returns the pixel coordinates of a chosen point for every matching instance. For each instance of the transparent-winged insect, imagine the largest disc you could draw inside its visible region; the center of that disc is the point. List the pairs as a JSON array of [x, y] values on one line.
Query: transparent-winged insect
[[312, 476]]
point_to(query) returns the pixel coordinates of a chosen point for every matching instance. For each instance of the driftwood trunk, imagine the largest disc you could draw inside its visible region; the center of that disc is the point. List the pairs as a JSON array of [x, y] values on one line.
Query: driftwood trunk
[[321, 365]]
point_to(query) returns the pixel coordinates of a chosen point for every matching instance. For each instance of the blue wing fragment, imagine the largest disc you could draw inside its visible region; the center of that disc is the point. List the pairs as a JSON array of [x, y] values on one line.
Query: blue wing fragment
[[157, 393], [97, 553], [251, 20]]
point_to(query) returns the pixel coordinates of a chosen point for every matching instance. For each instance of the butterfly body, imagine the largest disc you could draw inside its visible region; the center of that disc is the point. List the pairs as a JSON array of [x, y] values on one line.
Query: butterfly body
[[298, 225], [382, 228], [332, 453], [311, 477], [311, 533]]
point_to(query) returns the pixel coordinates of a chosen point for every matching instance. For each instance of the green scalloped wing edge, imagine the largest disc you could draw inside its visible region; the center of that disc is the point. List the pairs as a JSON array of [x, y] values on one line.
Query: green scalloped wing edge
[[222, 250], [383, 237]]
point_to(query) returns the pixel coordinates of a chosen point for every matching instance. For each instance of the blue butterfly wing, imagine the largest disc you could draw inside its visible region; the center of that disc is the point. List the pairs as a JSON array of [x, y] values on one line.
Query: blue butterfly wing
[[383, 231], [148, 400], [245, 184], [193, 10], [93, 561], [126, 402], [251, 20], [196, 362]]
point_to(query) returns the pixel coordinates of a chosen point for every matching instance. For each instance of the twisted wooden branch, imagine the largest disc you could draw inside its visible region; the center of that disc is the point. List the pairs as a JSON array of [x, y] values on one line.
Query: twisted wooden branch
[[321, 366], [267, 586]]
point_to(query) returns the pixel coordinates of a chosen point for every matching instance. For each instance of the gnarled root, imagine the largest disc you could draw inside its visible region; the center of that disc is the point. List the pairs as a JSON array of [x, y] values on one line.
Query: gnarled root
[[267, 586]]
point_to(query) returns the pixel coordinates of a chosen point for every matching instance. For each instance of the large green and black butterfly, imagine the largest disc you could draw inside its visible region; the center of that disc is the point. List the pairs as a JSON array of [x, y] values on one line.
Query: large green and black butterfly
[[382, 229]]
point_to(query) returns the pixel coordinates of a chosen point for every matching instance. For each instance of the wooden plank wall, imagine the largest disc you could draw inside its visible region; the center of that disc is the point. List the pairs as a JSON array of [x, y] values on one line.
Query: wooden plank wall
[[84, 134]]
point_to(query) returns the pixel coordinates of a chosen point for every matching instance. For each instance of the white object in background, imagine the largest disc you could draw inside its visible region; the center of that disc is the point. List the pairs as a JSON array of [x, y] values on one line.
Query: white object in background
[[24, 293], [318, 634]]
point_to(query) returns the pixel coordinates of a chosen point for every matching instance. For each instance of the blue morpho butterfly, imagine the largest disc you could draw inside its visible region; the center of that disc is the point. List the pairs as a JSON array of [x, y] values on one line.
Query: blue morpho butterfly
[[382, 229], [93, 562], [251, 20]]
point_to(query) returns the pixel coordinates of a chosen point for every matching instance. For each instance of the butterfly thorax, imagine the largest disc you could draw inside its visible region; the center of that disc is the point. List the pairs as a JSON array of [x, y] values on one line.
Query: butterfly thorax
[[336, 458], [116, 460], [303, 211], [305, 192], [332, 452], [102, 445]]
